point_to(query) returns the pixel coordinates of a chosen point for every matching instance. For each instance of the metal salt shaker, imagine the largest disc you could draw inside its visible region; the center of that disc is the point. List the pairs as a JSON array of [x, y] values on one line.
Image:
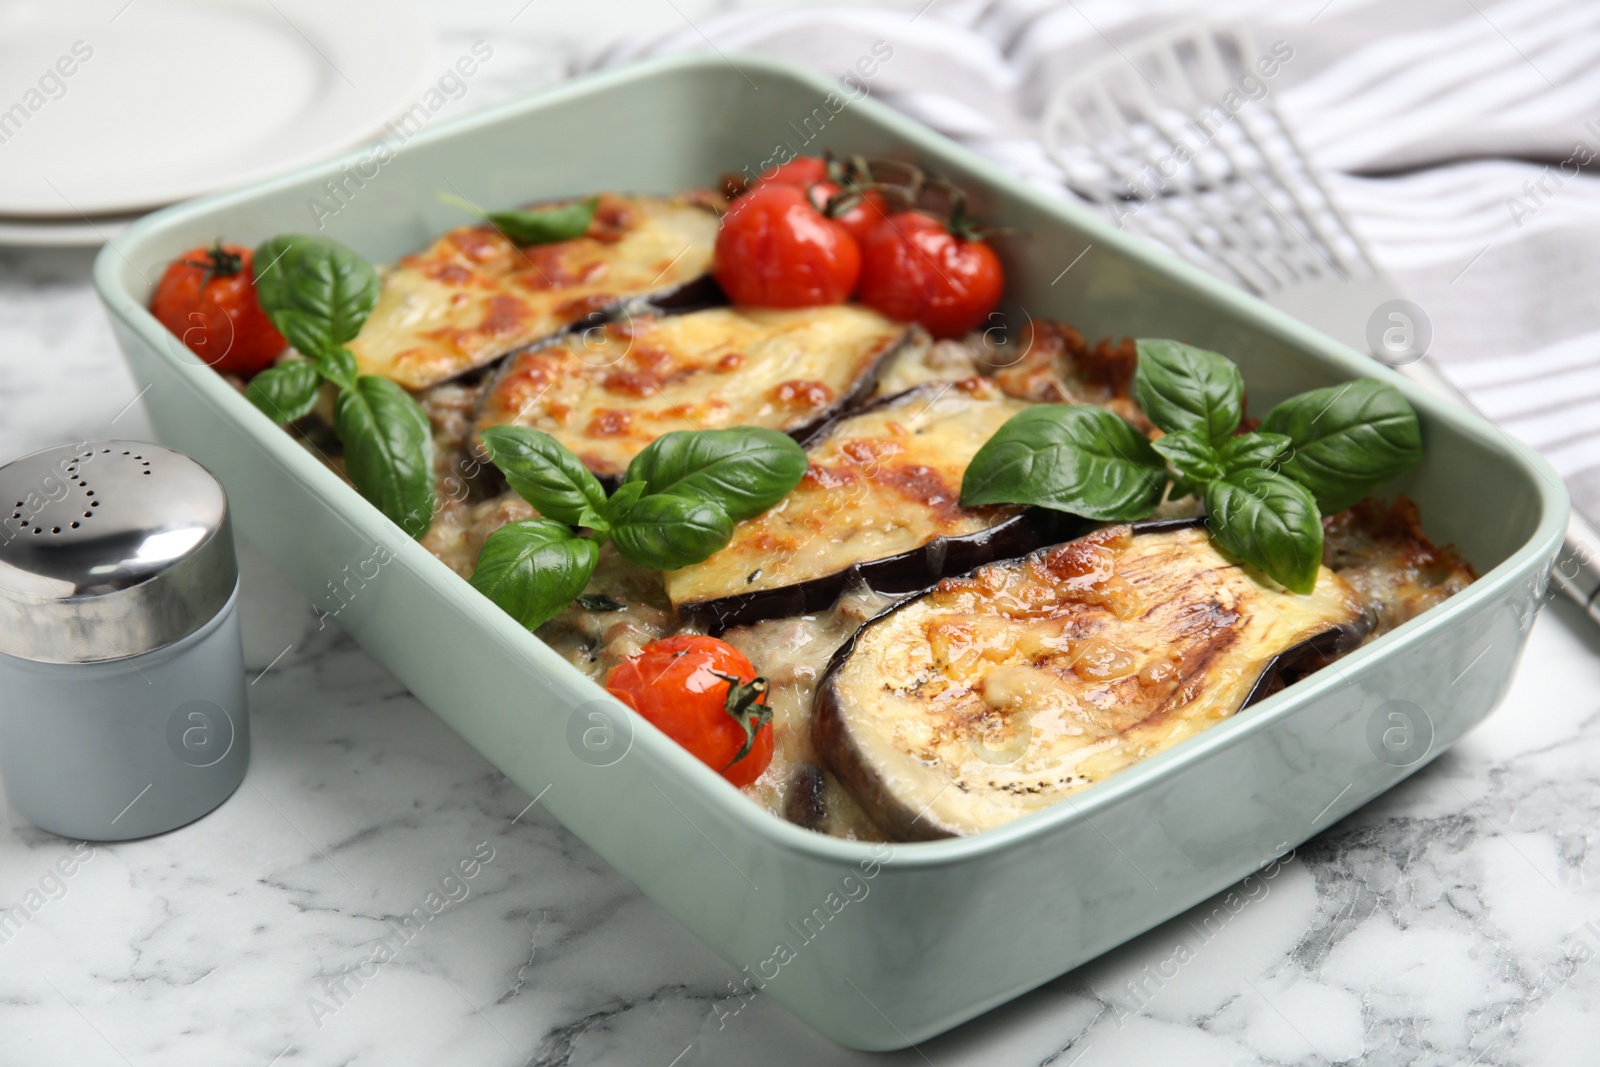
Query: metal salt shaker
[[122, 691]]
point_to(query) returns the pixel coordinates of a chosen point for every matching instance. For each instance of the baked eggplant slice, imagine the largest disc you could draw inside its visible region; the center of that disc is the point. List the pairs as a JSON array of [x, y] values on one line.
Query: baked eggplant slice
[[609, 391], [880, 504], [475, 295], [995, 694]]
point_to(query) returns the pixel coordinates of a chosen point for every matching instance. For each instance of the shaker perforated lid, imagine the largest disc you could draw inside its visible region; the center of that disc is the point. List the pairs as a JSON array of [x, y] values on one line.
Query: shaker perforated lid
[[109, 550]]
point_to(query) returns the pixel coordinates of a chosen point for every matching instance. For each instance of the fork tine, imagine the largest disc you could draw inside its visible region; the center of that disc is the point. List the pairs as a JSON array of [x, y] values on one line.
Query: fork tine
[[1326, 242], [1241, 256]]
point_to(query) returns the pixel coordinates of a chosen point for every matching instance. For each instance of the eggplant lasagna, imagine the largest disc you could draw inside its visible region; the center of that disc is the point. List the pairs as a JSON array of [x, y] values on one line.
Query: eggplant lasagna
[[934, 669]]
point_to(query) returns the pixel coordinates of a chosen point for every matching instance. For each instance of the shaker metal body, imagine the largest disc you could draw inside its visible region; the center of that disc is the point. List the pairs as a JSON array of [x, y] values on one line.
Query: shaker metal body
[[122, 692]]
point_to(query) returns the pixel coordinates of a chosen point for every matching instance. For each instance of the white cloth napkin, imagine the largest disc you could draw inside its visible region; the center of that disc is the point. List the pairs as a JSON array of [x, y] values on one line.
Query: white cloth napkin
[[1455, 134]]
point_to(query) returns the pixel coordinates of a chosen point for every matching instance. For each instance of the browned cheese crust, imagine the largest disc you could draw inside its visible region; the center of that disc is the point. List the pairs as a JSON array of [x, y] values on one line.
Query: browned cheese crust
[[1381, 551], [610, 391], [474, 295], [998, 693]]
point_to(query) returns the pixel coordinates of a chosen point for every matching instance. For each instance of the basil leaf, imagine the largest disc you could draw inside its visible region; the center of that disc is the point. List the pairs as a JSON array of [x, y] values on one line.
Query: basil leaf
[[1348, 439], [1252, 450], [1080, 459], [1270, 521], [745, 469], [627, 495], [533, 569], [1190, 454], [388, 450], [668, 532], [1183, 487], [539, 226], [339, 367], [1181, 387], [287, 391], [316, 291], [547, 475]]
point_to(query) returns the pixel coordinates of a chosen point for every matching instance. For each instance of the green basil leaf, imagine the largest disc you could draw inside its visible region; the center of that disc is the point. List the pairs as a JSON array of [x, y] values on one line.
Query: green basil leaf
[[627, 495], [744, 469], [339, 366], [1270, 521], [1183, 487], [546, 474], [1181, 387], [388, 450], [1191, 454], [668, 532], [533, 569], [539, 226], [287, 391], [1253, 450], [1080, 459], [316, 291], [1348, 439]]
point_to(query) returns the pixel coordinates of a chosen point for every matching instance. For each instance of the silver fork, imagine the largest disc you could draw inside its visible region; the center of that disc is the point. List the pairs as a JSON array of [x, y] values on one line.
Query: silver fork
[[1176, 138]]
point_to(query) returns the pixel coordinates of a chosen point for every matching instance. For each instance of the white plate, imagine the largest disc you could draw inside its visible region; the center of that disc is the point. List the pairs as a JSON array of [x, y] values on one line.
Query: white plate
[[62, 233], [113, 106]]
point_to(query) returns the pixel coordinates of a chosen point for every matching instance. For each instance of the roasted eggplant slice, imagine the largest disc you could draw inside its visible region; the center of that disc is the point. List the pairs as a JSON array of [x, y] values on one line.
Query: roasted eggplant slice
[[880, 504], [995, 694], [608, 392], [474, 295]]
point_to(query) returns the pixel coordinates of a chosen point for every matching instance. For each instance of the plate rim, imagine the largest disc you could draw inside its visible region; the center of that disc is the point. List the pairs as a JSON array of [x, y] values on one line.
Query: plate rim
[[400, 16]]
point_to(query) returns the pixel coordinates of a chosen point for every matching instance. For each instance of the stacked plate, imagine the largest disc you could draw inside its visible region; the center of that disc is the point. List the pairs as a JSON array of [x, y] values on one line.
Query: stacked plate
[[111, 108]]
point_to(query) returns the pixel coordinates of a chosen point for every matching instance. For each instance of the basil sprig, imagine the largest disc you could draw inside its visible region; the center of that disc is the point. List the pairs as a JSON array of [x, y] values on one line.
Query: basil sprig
[[1268, 519], [1264, 492], [286, 392], [540, 226], [1185, 388], [1081, 459], [317, 293], [1348, 439], [532, 569], [676, 505]]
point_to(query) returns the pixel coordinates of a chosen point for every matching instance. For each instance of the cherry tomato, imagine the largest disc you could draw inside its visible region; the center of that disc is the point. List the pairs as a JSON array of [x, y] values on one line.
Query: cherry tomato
[[862, 217], [801, 170], [915, 270], [776, 250], [207, 298], [704, 694]]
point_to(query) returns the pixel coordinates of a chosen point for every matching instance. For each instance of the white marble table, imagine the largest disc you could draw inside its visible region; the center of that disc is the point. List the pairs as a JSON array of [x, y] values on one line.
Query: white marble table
[[1450, 922]]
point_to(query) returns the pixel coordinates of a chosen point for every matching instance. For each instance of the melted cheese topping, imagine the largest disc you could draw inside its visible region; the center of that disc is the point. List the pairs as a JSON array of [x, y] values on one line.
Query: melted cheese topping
[[474, 295], [881, 482], [608, 392]]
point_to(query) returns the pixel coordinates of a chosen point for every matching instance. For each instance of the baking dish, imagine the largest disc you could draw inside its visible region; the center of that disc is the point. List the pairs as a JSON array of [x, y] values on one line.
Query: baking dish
[[878, 947]]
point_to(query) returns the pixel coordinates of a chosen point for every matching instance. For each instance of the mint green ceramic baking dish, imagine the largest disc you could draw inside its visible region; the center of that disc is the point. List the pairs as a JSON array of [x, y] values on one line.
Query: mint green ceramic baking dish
[[880, 947]]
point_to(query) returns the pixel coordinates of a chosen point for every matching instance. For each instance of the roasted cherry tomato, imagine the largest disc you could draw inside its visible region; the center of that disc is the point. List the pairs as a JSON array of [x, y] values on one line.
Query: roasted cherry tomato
[[776, 250], [704, 694], [862, 217], [915, 270], [207, 298], [801, 170]]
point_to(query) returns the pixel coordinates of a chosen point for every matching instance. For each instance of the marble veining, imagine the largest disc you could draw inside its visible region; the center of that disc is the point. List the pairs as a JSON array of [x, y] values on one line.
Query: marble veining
[[375, 893]]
